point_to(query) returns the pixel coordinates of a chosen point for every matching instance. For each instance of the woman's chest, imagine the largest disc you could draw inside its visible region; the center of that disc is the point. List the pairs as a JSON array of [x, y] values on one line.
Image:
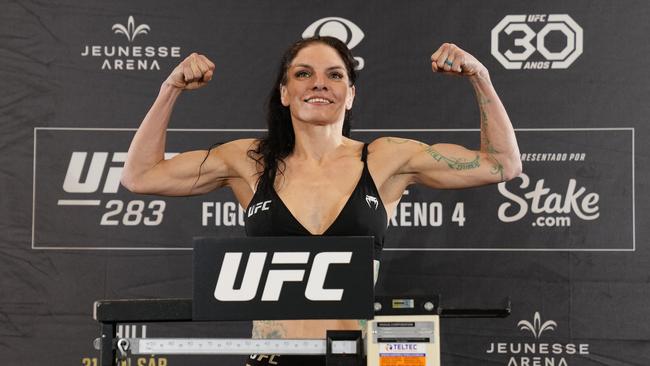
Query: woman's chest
[[316, 199]]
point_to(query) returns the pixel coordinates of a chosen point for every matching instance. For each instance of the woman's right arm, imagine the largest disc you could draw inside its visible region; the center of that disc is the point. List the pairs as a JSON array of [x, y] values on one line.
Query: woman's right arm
[[147, 171]]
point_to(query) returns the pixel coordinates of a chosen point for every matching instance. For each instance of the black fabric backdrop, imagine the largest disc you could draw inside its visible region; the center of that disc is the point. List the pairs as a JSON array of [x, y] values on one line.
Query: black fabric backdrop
[[574, 256]]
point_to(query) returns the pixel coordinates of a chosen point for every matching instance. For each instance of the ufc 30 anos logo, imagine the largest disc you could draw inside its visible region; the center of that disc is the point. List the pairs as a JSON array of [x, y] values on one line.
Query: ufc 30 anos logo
[[314, 291], [556, 43]]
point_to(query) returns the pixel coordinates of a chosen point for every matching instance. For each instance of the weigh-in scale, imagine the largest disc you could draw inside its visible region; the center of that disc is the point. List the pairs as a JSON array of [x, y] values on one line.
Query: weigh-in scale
[[401, 330]]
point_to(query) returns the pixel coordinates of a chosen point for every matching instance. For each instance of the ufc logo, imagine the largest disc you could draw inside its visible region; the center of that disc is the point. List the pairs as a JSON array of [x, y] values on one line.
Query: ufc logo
[[260, 206], [314, 291], [526, 41]]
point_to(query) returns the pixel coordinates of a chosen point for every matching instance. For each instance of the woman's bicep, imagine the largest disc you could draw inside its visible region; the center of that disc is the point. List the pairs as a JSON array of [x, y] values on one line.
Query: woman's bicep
[[197, 172], [192, 172], [445, 166]]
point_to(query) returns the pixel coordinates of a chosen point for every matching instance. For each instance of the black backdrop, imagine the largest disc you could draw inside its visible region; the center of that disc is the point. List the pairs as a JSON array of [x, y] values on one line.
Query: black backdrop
[[562, 240]]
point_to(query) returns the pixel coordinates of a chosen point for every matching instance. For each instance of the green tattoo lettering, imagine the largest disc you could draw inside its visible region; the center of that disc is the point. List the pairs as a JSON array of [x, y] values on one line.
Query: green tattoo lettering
[[454, 163]]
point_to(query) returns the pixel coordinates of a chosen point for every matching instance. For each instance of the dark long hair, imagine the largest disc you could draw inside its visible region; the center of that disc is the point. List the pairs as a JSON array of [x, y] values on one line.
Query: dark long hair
[[279, 141]]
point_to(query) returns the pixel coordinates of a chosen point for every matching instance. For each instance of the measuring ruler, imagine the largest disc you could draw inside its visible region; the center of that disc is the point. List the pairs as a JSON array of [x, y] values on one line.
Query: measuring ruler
[[230, 346]]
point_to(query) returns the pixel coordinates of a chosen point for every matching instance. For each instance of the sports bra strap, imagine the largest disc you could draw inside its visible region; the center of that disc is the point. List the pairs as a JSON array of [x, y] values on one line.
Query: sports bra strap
[[364, 152]]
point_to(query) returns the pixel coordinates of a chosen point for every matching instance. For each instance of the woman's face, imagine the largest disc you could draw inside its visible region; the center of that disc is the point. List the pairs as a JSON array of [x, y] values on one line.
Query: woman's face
[[318, 90]]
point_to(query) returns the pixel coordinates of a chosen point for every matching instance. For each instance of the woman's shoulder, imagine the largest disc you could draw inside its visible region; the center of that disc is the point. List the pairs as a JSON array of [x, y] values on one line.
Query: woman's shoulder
[[386, 158], [242, 144], [237, 148], [393, 153], [391, 145], [239, 154]]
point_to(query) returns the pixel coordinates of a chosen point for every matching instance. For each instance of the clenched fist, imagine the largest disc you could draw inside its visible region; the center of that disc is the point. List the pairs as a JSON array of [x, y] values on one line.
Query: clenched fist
[[192, 73], [450, 58]]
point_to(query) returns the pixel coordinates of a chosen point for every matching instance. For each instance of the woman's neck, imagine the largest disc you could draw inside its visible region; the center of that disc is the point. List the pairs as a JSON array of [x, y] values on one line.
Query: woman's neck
[[317, 142]]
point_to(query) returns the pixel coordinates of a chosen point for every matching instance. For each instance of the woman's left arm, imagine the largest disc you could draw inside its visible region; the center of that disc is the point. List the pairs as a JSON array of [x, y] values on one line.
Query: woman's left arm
[[453, 166]]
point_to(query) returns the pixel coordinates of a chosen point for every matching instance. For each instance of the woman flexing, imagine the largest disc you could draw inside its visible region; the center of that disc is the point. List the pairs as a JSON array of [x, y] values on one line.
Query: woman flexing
[[317, 179]]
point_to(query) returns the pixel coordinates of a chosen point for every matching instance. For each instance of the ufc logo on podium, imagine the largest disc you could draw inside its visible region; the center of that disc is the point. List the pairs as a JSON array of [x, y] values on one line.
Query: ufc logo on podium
[[283, 278], [314, 291]]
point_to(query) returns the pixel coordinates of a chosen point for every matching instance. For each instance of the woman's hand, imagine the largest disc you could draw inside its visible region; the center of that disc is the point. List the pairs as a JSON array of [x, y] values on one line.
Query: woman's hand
[[451, 59], [192, 73]]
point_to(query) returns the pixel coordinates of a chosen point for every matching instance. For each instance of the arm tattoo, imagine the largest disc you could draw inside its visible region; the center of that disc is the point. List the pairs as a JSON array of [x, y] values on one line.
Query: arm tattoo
[[497, 167], [454, 163], [459, 163], [486, 144], [268, 329], [394, 140]]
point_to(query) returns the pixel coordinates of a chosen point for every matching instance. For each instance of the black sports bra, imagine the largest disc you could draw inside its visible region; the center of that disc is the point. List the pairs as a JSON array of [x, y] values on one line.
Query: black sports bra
[[363, 214]]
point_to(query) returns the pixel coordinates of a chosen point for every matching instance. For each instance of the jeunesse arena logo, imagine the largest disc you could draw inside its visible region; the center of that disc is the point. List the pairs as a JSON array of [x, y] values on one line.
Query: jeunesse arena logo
[[130, 56]]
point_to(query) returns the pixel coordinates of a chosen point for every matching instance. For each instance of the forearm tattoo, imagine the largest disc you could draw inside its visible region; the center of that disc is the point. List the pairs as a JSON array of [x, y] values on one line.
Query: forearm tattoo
[[486, 144]]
